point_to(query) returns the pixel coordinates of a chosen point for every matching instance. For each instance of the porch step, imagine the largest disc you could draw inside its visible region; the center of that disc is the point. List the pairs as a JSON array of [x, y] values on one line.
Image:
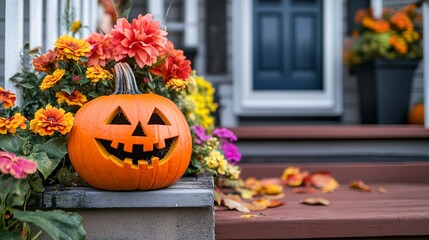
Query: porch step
[[402, 212], [274, 143]]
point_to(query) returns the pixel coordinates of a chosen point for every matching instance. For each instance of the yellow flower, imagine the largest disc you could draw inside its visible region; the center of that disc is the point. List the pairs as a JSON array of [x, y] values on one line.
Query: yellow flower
[[97, 73], [12, 124], [74, 99], [68, 47], [75, 26], [50, 80], [177, 85], [233, 172], [223, 164], [50, 119], [410, 36]]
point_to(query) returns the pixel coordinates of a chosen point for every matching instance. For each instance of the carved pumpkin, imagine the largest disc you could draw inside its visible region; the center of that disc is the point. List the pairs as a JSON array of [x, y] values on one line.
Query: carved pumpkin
[[129, 140]]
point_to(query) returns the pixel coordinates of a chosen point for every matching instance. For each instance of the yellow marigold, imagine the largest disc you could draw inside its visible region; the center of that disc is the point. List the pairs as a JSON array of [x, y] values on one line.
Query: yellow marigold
[[68, 47], [75, 26], [223, 164], [402, 21], [51, 119], [213, 159], [398, 44], [10, 125], [177, 85], [97, 73], [50, 80], [7, 98], [76, 98], [233, 172], [410, 36]]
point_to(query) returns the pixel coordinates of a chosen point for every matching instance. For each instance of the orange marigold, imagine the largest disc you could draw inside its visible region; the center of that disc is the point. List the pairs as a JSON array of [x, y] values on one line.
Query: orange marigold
[[7, 98], [97, 73], [101, 49], [398, 44], [401, 21], [359, 15], [51, 119], [76, 98], [50, 80], [68, 47], [175, 65], [409, 8], [45, 62], [379, 26], [10, 125], [142, 39]]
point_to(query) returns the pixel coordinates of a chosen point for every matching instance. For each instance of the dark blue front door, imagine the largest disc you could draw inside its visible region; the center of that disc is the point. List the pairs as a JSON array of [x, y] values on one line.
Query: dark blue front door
[[287, 45]]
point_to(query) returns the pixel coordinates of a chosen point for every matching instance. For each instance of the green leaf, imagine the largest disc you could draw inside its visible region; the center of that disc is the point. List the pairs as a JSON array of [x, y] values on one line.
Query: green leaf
[[44, 164], [13, 191], [12, 143], [55, 148], [57, 224], [36, 183], [122, 8], [10, 235], [68, 89]]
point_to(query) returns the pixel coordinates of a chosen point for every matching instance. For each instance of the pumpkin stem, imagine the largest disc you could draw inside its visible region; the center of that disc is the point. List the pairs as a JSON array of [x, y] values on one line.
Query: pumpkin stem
[[125, 80]]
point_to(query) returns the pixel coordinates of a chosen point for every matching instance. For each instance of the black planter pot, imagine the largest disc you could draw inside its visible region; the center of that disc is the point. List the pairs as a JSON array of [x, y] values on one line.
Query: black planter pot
[[384, 90]]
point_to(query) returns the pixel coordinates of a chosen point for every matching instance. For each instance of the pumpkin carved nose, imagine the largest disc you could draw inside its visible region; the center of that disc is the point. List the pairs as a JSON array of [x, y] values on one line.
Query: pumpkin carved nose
[[139, 131]]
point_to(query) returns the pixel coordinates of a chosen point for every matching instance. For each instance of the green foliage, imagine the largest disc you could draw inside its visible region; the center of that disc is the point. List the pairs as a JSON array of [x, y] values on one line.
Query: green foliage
[[58, 224]]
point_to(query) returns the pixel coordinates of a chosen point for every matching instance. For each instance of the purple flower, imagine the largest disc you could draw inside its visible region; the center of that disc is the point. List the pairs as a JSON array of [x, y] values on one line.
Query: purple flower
[[200, 132], [231, 152], [225, 133]]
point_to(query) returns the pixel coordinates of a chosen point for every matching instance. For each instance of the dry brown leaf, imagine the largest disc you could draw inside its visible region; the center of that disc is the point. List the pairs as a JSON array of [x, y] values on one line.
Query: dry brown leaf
[[324, 181], [316, 201], [382, 190], [248, 215], [304, 190], [270, 203], [252, 184], [232, 204], [246, 193], [277, 196], [289, 171], [360, 185], [255, 206], [272, 189]]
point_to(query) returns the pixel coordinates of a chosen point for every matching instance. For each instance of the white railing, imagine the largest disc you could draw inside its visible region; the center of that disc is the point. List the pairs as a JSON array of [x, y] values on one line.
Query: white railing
[[40, 35]]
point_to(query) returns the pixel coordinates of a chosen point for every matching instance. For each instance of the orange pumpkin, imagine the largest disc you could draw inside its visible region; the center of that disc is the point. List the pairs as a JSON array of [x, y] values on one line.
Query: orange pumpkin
[[417, 114], [129, 140]]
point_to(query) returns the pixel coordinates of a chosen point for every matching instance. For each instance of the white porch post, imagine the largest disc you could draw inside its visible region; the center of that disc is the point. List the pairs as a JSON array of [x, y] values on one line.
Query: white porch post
[[36, 23], [51, 24], [157, 9], [377, 7], [426, 60], [191, 23], [14, 37]]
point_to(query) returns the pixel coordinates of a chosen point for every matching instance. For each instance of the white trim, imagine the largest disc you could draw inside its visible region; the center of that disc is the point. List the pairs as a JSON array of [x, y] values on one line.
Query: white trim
[[377, 8], [86, 19], [51, 24], [191, 23], [248, 102], [157, 9], [36, 23], [14, 38], [426, 61]]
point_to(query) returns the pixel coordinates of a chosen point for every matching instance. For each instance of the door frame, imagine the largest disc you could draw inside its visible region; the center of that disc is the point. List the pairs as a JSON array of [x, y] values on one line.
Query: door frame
[[248, 102]]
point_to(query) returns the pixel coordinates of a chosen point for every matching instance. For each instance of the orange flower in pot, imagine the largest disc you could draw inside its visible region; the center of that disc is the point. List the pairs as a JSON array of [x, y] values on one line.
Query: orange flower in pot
[[129, 140]]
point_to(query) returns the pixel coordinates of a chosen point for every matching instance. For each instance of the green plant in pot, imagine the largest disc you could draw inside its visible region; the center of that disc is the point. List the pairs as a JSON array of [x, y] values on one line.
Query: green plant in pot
[[384, 53]]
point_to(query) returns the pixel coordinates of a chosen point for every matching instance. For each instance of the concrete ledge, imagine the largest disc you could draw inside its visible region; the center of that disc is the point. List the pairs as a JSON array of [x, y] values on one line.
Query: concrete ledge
[[182, 211], [187, 192]]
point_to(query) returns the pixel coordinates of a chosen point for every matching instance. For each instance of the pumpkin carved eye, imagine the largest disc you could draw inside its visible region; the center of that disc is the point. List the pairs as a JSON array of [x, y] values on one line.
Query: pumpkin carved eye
[[156, 119], [118, 118]]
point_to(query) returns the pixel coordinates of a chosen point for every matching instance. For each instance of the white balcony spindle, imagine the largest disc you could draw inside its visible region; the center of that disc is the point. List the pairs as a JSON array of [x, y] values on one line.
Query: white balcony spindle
[[157, 9], [77, 6], [14, 37], [191, 23], [36, 23], [93, 16], [86, 18], [377, 7], [52, 27]]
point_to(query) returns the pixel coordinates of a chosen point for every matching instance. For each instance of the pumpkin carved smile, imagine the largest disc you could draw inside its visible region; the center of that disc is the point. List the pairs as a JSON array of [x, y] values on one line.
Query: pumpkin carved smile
[[137, 154]]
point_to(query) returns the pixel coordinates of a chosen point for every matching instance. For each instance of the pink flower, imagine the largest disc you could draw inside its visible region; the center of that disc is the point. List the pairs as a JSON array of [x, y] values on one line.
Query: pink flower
[[101, 49], [18, 167], [143, 40]]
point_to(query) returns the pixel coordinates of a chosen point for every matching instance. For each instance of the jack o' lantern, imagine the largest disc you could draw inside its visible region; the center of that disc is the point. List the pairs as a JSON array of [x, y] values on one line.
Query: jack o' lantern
[[129, 140]]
